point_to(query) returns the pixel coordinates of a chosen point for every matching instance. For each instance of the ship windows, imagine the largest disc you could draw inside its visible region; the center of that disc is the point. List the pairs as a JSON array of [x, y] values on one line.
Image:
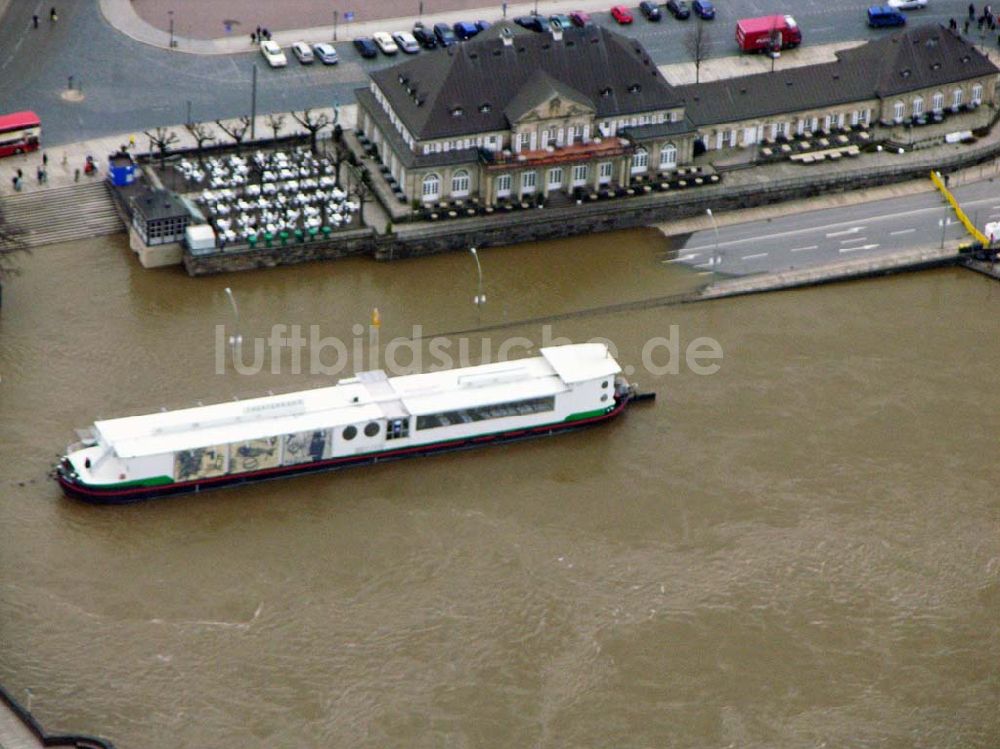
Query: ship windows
[[604, 398], [397, 429], [483, 413], [604, 384], [350, 432], [371, 428]]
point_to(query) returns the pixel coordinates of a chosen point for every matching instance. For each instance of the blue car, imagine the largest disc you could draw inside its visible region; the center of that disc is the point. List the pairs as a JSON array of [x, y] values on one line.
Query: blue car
[[880, 16], [703, 9], [465, 30], [366, 47], [483, 25], [445, 36]]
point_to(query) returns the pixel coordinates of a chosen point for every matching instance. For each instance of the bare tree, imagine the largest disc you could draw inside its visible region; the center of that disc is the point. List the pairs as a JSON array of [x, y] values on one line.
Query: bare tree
[[162, 139], [201, 133], [235, 129], [276, 122], [339, 148], [12, 242], [313, 123], [361, 188], [698, 44]]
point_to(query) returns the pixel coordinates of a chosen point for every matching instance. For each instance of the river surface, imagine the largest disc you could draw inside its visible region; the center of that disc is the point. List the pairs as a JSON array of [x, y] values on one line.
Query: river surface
[[800, 550]]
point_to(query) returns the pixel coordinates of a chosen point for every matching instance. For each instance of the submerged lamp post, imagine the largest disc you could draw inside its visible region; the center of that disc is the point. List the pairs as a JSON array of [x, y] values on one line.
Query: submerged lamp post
[[480, 299], [715, 226]]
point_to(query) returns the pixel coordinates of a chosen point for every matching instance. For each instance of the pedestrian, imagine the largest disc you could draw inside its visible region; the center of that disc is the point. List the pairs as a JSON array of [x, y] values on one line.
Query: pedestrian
[[13, 181], [965, 30], [131, 141], [17, 184], [45, 159], [40, 173], [258, 31], [20, 174], [253, 38], [267, 34], [53, 16], [972, 11], [76, 175], [34, 20]]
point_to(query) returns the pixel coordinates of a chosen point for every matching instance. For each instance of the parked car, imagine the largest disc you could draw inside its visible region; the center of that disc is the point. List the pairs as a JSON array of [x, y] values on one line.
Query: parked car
[[881, 16], [385, 43], [908, 4], [303, 52], [483, 25], [445, 36], [621, 14], [273, 54], [679, 9], [326, 53], [425, 36], [406, 42], [465, 30], [365, 47], [703, 9], [580, 18], [650, 9], [561, 20], [531, 23]]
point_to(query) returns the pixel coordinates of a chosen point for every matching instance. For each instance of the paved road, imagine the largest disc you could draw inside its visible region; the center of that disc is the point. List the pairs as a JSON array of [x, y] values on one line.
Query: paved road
[[128, 86], [828, 235]]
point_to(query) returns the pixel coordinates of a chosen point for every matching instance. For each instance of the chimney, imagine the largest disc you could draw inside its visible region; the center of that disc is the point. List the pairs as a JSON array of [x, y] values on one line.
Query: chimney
[[507, 36]]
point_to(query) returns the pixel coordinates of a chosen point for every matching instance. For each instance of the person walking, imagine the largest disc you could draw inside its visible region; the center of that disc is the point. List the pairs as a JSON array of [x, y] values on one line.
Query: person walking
[[45, 159], [53, 16], [253, 37], [40, 173], [972, 11], [34, 20]]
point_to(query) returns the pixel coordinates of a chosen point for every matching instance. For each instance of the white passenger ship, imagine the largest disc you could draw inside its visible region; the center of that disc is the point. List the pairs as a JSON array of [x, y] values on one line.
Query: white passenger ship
[[364, 419]]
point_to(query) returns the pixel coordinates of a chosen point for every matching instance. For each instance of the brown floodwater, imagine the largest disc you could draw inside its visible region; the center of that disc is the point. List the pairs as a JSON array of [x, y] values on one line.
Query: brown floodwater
[[800, 550]]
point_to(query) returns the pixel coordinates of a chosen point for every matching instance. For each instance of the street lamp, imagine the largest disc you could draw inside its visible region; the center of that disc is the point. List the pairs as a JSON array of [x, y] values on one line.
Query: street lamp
[[480, 298], [715, 252]]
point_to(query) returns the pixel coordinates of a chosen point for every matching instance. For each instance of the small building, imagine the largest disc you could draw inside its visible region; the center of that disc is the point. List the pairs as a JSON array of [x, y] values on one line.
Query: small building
[[159, 216]]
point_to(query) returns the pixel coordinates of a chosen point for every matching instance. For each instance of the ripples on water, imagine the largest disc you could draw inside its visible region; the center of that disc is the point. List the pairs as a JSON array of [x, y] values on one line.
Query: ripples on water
[[800, 549]]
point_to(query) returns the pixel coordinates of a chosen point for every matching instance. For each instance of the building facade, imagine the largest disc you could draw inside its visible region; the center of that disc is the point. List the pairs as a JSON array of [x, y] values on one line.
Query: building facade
[[511, 115]]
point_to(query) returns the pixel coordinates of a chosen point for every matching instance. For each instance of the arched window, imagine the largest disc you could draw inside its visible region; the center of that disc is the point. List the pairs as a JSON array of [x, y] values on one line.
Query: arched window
[[918, 106], [977, 93], [937, 102], [460, 184], [640, 161], [668, 156], [956, 98], [431, 188], [898, 109]]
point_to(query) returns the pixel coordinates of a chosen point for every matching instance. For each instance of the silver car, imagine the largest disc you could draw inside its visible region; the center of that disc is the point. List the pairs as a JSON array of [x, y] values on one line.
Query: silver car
[[326, 53], [406, 42]]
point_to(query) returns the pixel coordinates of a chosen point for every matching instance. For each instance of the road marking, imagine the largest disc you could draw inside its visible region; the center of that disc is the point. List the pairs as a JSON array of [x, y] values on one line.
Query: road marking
[[862, 247], [682, 258], [901, 231], [945, 221], [855, 239], [751, 257], [852, 230], [804, 249]]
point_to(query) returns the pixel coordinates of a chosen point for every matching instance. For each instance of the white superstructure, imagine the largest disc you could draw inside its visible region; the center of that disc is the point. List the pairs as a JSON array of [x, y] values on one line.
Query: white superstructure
[[365, 414]]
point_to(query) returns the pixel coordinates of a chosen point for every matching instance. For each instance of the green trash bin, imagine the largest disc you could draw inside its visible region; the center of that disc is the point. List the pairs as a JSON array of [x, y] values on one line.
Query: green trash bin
[[268, 238], [252, 239], [313, 231], [298, 235], [284, 237], [326, 232]]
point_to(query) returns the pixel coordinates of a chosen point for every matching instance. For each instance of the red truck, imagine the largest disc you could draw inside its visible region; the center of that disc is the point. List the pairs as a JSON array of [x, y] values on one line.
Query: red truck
[[768, 33]]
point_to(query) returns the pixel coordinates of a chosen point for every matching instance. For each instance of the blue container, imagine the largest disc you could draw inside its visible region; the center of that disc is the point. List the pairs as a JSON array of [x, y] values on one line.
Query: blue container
[[121, 169]]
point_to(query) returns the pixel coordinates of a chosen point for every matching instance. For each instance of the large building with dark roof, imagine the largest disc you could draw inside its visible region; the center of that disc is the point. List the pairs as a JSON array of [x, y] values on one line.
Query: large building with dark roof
[[511, 114]]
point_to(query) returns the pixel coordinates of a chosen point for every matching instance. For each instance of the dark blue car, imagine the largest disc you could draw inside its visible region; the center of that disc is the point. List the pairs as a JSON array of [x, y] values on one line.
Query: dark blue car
[[365, 47], [446, 37], [703, 9]]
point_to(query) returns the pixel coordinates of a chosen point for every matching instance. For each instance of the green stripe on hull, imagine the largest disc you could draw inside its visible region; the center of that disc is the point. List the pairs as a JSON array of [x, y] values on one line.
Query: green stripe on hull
[[152, 481], [589, 414]]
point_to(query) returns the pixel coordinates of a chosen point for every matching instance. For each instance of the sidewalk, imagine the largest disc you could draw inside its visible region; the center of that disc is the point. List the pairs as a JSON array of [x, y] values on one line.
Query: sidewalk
[[122, 15]]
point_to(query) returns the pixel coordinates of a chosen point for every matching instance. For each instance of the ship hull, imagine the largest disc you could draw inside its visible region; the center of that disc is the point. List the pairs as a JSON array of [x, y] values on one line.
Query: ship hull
[[97, 495]]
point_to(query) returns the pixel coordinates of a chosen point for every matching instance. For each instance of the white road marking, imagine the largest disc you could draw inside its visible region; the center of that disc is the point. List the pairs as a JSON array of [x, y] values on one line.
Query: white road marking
[[751, 257], [945, 221], [682, 258], [852, 230], [804, 249], [901, 231], [855, 239], [862, 247]]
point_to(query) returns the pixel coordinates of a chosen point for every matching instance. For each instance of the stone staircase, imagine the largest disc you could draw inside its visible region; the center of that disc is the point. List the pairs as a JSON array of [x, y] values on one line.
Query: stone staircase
[[63, 214]]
